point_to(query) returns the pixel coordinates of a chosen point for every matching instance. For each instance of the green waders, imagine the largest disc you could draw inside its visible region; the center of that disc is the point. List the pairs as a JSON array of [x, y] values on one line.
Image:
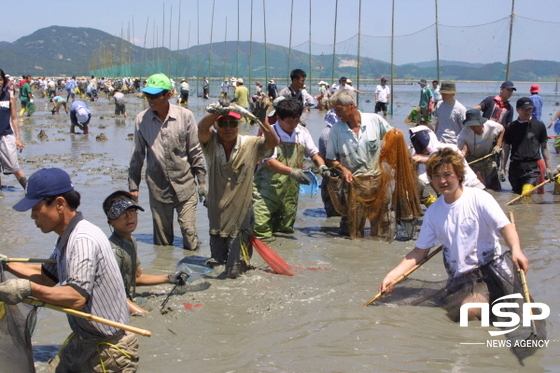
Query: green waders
[[275, 196]]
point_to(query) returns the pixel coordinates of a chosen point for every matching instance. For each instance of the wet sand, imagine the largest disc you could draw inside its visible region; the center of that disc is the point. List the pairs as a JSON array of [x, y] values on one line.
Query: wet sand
[[263, 322]]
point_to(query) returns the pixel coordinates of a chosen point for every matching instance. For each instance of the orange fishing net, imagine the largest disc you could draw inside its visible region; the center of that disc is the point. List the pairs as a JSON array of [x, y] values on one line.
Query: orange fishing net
[[384, 200]]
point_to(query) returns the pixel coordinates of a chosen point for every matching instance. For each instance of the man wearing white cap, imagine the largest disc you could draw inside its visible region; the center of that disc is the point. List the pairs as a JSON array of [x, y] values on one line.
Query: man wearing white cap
[[80, 115]]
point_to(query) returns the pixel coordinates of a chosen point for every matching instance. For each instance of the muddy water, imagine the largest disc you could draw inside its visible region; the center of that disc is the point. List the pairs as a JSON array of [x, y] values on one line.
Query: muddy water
[[262, 322]]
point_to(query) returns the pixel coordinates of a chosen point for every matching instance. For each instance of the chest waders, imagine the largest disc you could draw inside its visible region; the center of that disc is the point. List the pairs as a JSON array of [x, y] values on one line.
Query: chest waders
[[275, 196]]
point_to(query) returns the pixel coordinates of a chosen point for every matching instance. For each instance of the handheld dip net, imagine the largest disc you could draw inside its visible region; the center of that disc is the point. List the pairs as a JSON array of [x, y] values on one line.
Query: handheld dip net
[[16, 326], [386, 200], [492, 281]]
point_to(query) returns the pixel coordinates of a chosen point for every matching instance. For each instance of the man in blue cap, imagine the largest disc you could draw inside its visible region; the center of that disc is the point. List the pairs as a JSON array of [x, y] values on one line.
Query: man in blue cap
[[498, 108], [88, 275], [166, 136]]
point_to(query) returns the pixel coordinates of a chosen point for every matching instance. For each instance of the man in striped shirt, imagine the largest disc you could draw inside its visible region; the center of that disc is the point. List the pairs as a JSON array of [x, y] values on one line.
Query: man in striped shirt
[[88, 275]]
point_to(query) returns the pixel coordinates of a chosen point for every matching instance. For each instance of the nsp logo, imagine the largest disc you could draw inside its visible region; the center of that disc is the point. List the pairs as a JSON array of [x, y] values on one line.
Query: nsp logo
[[499, 309]]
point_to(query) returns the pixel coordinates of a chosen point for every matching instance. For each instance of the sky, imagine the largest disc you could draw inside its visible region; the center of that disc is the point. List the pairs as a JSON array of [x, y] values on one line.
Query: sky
[[468, 29]]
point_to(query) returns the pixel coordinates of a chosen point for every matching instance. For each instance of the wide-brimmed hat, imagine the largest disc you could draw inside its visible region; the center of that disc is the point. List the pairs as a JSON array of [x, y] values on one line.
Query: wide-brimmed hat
[[448, 87], [47, 182], [157, 83], [535, 88], [322, 82], [524, 103], [271, 81], [423, 81], [473, 117], [82, 115]]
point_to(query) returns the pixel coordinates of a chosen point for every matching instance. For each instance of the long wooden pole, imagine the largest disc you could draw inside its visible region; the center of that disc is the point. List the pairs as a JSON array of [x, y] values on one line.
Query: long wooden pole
[[90, 317], [334, 41], [30, 260], [406, 274], [482, 158], [510, 38], [524, 285], [392, 56], [437, 42]]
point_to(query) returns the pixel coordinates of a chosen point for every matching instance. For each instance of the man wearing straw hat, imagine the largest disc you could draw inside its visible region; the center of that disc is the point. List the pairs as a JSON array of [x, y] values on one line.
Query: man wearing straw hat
[[450, 114], [88, 275]]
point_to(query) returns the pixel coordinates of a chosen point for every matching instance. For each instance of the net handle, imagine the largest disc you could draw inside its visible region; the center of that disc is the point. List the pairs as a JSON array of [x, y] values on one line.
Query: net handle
[[406, 274]]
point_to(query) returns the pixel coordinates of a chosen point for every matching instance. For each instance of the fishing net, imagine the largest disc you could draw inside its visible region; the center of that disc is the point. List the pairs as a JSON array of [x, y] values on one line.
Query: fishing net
[[384, 200], [405, 200], [16, 326], [491, 281]]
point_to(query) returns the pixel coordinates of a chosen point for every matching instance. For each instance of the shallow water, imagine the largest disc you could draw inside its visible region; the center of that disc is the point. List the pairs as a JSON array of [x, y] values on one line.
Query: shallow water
[[263, 322]]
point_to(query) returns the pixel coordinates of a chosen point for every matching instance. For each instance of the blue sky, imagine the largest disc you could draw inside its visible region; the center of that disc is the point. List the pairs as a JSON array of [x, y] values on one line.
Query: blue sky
[[536, 29]]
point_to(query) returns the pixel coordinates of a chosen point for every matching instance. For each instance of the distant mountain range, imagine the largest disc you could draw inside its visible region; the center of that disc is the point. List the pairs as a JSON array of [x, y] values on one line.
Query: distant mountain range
[[66, 51]]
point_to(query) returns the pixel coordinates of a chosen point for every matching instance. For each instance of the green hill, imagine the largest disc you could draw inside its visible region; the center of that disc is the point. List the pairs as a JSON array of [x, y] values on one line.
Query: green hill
[[66, 51]]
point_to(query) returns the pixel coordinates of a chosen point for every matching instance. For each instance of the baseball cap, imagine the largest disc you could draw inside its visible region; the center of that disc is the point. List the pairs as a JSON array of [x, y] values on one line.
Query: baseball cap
[[535, 88], [157, 83], [383, 79], [473, 117], [46, 182], [120, 205], [342, 79], [508, 84], [230, 114], [524, 103], [240, 80], [82, 115]]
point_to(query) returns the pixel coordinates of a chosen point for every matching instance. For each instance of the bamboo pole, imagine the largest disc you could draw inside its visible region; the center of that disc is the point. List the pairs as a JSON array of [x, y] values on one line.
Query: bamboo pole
[[30, 260], [482, 158], [90, 317], [406, 274]]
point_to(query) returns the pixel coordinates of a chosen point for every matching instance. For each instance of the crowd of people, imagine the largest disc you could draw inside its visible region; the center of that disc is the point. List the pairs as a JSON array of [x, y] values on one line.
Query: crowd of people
[[188, 162]]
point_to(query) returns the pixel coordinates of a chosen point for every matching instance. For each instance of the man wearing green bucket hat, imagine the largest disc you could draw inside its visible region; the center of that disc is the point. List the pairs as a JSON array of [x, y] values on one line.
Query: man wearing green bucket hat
[[166, 136]]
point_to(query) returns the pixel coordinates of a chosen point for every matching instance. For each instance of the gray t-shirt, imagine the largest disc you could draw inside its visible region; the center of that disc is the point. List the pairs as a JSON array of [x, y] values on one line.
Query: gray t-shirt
[[450, 121]]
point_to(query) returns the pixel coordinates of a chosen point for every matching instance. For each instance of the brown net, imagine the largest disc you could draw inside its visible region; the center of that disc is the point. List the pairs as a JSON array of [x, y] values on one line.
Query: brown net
[[385, 199], [405, 200]]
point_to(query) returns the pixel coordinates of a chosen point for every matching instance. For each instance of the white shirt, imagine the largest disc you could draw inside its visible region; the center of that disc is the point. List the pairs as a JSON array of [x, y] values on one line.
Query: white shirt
[[479, 145], [467, 228], [300, 135], [382, 93]]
